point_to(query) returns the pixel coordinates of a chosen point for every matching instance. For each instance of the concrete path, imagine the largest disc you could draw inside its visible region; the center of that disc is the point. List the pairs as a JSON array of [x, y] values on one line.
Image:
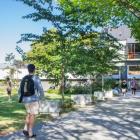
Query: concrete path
[[117, 119]]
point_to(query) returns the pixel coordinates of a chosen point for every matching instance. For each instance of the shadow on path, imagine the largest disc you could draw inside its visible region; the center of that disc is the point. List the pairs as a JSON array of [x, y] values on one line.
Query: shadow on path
[[118, 119]]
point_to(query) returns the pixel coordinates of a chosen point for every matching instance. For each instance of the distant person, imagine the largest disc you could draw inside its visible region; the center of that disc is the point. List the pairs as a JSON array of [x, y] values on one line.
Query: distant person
[[9, 87], [124, 87], [30, 92], [133, 85]]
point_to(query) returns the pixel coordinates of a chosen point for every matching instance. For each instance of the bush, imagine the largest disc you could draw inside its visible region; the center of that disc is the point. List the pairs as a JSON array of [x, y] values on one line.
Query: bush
[[94, 98], [110, 84], [53, 91], [67, 106], [96, 86], [77, 90]]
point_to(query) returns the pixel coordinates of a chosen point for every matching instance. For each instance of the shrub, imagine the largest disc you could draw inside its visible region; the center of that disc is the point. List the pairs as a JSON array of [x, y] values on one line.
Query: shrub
[[96, 86], [77, 90], [67, 106], [53, 91], [110, 84]]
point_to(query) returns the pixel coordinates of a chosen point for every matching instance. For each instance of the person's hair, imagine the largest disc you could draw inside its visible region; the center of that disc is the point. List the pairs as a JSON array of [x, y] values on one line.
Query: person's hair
[[31, 68], [8, 79]]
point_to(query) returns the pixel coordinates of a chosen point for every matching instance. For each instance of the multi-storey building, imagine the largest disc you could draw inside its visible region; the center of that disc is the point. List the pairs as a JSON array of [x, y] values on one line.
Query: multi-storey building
[[129, 67]]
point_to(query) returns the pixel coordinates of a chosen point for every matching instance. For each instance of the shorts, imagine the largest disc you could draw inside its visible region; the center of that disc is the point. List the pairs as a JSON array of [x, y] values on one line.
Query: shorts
[[9, 91], [32, 108], [124, 90], [133, 88]]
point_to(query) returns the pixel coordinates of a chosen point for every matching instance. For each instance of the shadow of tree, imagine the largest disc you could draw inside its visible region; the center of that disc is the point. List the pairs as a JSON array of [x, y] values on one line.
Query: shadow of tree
[[113, 120], [12, 115]]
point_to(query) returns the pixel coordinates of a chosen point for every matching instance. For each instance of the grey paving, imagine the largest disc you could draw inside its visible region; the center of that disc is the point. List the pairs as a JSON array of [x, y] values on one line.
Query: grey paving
[[117, 119]]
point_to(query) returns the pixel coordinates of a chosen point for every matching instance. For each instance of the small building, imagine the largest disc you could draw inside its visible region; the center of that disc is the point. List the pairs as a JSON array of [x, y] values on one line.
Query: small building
[[129, 67], [7, 70]]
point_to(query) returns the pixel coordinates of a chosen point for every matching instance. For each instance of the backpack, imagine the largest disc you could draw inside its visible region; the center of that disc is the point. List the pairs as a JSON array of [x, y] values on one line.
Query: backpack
[[27, 86]]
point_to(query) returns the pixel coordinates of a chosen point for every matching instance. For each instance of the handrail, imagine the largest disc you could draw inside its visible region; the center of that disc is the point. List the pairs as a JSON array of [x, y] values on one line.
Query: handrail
[[132, 55]]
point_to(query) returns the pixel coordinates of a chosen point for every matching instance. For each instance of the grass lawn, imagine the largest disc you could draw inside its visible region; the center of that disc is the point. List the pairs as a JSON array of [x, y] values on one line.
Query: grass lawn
[[12, 113]]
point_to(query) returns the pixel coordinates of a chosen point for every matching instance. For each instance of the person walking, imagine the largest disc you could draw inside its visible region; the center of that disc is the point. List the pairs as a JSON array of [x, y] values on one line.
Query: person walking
[[9, 87], [124, 87], [30, 92], [133, 85]]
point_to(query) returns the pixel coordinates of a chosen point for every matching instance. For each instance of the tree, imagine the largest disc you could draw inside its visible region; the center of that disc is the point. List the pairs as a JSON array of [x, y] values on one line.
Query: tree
[[12, 71], [105, 13], [62, 48], [14, 65], [133, 6], [82, 57], [18, 63], [10, 58]]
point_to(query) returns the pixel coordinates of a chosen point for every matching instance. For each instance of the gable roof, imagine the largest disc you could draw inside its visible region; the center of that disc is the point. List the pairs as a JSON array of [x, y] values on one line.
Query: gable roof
[[122, 33]]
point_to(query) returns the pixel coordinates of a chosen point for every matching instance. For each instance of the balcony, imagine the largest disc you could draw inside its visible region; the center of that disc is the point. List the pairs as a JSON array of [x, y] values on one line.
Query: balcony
[[132, 55]]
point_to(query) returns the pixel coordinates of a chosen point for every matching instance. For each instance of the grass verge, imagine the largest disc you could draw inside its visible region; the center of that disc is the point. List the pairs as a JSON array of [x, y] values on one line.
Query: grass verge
[[12, 113]]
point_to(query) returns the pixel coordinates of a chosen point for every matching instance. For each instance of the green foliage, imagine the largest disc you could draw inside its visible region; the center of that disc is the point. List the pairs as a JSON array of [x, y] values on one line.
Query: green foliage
[[110, 84], [135, 27], [67, 106], [59, 50], [11, 111], [83, 56], [97, 86], [53, 91], [47, 56], [104, 13], [78, 90], [73, 45]]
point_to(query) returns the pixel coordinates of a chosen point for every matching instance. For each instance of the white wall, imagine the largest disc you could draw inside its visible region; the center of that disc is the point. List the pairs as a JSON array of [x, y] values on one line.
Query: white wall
[[3, 74], [18, 75]]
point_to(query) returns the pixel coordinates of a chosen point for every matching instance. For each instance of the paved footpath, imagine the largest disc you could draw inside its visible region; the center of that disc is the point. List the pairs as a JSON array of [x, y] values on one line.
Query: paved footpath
[[117, 119]]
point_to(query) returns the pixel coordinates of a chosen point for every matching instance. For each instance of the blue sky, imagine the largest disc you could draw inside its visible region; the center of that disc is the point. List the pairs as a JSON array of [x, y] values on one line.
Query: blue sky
[[12, 26]]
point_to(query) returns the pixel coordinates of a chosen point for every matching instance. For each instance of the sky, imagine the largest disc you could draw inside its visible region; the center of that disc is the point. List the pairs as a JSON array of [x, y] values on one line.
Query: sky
[[12, 25]]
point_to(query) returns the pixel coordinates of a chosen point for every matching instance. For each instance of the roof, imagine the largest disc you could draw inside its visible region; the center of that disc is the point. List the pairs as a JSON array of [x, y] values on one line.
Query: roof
[[122, 33]]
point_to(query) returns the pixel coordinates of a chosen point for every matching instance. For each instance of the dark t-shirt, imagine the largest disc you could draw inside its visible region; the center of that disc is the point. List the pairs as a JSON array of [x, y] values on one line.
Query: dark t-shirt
[[124, 85]]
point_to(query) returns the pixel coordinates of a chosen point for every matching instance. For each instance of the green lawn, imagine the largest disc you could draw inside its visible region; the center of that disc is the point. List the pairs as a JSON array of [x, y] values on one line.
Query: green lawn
[[12, 113]]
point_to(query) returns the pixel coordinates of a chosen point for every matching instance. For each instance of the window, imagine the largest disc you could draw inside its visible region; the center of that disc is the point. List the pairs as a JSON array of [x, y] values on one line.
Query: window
[[137, 48], [133, 50], [134, 70]]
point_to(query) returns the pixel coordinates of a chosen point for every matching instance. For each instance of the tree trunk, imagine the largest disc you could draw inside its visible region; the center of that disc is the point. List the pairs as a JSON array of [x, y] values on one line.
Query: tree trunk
[[91, 90], [62, 85]]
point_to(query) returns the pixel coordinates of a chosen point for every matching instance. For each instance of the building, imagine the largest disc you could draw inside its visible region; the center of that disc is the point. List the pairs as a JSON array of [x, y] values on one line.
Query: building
[[130, 66], [6, 70]]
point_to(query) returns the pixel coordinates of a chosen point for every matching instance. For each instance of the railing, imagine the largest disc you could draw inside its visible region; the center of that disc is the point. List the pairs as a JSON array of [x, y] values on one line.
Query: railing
[[133, 55]]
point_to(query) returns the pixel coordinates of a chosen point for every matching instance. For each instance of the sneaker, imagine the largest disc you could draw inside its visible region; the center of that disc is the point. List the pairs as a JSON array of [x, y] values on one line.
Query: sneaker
[[25, 133], [34, 135]]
